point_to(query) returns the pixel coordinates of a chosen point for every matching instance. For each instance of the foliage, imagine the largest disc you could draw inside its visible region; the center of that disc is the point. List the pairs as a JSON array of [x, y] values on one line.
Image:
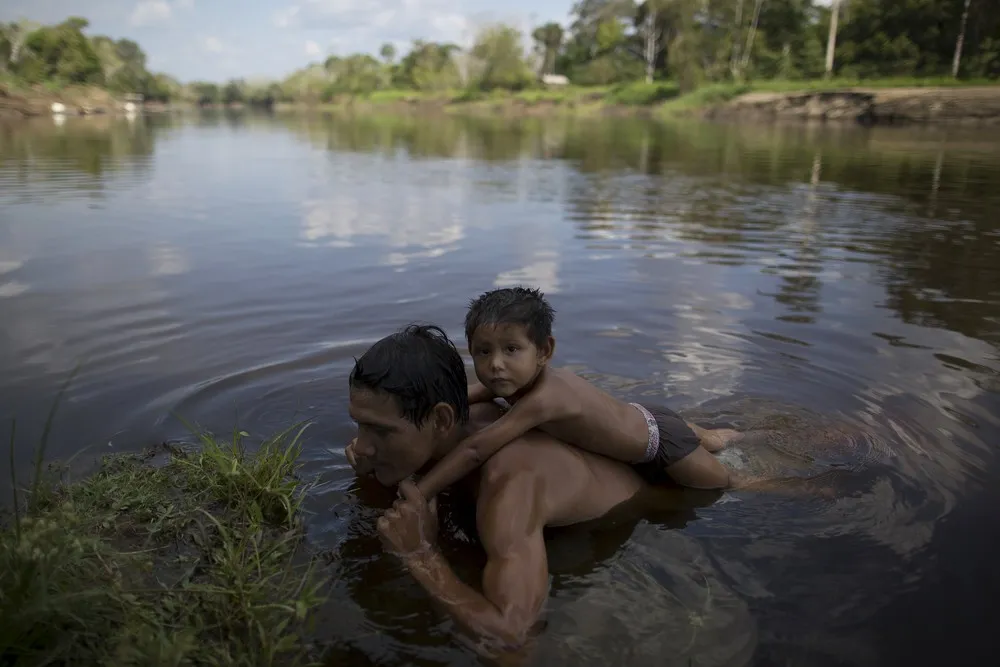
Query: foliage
[[197, 559], [692, 43], [501, 59], [60, 53]]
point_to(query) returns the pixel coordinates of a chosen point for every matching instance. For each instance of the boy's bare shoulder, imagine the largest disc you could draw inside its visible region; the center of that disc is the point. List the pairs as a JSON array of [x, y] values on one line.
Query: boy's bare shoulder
[[559, 393]]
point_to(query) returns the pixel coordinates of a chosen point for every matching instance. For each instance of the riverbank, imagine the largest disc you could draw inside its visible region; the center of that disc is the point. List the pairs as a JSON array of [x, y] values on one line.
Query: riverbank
[[867, 106], [886, 102], [178, 555], [873, 102], [18, 102]]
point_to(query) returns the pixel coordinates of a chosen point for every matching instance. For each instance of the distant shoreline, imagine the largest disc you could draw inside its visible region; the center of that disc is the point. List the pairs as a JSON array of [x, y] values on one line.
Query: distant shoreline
[[877, 103]]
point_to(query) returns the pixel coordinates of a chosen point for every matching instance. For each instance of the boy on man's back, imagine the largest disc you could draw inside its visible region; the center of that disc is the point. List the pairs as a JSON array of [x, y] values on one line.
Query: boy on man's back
[[509, 332]]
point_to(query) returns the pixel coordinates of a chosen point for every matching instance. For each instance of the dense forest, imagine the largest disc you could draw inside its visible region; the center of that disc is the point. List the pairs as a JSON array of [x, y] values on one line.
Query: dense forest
[[690, 42]]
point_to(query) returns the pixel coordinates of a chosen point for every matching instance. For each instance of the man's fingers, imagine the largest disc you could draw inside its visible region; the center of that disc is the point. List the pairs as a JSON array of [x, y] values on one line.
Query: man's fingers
[[433, 505], [410, 492]]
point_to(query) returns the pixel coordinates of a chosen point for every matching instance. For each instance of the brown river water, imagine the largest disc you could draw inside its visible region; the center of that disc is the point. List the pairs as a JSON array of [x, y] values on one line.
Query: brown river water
[[229, 267]]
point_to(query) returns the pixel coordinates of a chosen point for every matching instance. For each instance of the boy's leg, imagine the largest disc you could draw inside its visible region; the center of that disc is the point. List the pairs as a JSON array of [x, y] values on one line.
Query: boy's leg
[[700, 470], [682, 456], [714, 439]]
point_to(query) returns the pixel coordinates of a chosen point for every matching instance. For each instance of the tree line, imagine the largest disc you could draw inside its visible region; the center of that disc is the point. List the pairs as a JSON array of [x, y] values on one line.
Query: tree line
[[691, 42], [32, 53]]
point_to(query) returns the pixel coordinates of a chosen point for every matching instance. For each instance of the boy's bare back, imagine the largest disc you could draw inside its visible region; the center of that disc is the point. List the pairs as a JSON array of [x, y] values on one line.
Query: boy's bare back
[[573, 410]]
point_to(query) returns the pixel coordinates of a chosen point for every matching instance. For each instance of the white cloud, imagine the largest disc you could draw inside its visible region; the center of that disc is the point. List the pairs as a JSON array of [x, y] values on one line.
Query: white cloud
[[150, 11], [214, 45], [398, 21], [313, 49], [185, 4]]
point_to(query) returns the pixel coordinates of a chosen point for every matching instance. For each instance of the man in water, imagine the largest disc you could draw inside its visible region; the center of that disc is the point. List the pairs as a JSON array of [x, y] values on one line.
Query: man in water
[[409, 397]]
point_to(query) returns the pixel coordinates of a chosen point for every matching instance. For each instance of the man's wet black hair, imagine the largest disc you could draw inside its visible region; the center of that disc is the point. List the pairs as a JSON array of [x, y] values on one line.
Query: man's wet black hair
[[419, 367], [512, 305]]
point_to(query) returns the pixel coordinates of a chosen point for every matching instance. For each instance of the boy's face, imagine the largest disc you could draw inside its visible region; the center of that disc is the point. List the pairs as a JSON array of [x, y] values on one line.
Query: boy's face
[[396, 447], [506, 360]]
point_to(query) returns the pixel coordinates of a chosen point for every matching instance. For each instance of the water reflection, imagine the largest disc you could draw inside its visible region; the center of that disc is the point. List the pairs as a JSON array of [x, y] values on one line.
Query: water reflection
[[825, 283], [40, 159]]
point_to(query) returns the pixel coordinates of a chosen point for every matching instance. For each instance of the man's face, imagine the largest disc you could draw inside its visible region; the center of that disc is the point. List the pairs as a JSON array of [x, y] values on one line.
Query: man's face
[[395, 446]]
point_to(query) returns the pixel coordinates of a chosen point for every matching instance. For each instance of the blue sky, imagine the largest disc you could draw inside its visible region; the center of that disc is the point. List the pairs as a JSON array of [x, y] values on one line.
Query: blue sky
[[221, 39]]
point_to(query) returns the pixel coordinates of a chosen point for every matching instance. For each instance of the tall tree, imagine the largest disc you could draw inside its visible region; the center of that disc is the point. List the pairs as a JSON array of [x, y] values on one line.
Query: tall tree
[[548, 38], [957, 60], [501, 56], [831, 43], [388, 53], [650, 30]]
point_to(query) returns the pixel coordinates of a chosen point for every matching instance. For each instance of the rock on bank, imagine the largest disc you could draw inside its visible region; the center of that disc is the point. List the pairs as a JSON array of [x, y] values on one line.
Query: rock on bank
[[869, 106]]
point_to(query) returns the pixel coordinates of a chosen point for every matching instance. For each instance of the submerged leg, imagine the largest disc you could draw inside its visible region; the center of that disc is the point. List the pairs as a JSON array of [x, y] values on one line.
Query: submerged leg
[[714, 439]]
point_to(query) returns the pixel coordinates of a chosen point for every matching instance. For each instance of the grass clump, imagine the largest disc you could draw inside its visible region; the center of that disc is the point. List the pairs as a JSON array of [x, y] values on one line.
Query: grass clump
[[175, 556], [640, 93]]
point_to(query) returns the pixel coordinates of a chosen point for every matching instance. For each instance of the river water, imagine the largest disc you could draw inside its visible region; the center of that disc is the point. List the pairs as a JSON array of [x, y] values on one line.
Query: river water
[[229, 267]]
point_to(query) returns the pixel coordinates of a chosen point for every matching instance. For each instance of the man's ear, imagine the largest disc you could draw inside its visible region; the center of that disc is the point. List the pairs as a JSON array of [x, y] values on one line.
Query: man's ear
[[546, 351], [442, 418]]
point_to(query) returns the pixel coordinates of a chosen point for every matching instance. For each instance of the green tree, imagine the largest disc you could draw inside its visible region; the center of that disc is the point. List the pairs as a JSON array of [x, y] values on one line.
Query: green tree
[[205, 93], [500, 53], [233, 92], [548, 39], [61, 53], [429, 66], [388, 53]]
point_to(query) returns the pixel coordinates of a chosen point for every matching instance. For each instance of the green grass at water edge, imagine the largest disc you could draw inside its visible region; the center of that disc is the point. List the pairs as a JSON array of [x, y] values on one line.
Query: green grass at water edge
[[199, 560]]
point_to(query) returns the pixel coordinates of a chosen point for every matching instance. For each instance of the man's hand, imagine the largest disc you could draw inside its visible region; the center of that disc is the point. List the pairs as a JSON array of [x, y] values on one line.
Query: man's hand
[[410, 527], [362, 466]]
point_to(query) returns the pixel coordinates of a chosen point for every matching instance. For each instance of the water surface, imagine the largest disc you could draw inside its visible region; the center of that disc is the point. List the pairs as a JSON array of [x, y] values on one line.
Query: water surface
[[230, 267]]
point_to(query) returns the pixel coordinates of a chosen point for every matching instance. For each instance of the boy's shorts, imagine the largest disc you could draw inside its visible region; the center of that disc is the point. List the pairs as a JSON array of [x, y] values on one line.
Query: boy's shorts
[[670, 440]]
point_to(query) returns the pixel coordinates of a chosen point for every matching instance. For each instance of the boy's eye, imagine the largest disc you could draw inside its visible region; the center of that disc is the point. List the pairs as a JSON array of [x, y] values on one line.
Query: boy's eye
[[512, 348]]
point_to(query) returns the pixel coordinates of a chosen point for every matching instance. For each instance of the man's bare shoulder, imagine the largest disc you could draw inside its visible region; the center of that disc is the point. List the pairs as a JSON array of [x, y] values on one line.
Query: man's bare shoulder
[[572, 485]]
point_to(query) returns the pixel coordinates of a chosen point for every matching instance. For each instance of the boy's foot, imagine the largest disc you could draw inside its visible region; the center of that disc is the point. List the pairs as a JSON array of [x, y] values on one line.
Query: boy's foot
[[715, 439]]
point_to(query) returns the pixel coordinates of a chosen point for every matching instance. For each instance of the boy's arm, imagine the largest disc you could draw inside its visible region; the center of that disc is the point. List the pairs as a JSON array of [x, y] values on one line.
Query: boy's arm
[[478, 393], [470, 453]]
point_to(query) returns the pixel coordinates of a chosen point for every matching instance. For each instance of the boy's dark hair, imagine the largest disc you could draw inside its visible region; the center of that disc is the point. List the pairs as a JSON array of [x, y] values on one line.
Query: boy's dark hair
[[512, 305], [419, 367]]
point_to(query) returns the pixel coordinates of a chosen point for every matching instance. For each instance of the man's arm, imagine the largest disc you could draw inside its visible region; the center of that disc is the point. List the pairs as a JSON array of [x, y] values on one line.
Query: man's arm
[[474, 450], [515, 580], [479, 393]]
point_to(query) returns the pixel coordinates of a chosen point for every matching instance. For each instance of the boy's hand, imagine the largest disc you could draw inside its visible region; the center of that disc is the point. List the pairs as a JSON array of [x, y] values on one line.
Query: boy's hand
[[362, 466], [478, 393]]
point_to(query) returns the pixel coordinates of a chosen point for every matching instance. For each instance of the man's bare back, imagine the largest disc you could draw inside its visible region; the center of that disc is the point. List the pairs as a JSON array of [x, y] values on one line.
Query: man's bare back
[[574, 485]]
